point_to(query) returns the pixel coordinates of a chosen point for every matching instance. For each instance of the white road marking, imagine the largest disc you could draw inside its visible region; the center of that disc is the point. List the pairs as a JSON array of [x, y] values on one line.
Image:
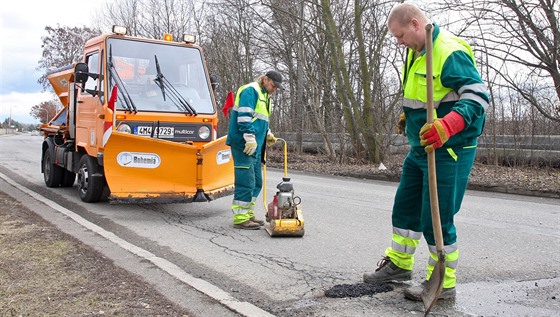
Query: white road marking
[[243, 308]]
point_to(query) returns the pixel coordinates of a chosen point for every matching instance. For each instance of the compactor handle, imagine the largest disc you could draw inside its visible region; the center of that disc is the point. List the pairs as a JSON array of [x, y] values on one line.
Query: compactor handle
[[285, 156]]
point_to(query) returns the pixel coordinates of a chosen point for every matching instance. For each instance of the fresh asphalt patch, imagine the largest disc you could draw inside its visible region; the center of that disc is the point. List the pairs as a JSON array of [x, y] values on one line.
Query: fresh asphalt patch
[[357, 290]]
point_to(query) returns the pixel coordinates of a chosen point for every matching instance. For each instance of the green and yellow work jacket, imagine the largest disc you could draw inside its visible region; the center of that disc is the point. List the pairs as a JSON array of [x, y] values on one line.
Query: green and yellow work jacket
[[457, 86], [250, 115]]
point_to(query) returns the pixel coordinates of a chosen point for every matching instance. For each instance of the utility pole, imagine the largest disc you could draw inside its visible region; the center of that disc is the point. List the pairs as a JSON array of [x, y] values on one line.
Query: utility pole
[[10, 120]]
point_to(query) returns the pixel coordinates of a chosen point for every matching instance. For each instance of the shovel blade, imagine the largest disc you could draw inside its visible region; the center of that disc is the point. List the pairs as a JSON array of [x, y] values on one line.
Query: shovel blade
[[434, 287]]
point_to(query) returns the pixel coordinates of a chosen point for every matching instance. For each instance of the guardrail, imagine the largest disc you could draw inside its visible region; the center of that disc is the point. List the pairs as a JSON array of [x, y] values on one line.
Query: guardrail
[[539, 148]]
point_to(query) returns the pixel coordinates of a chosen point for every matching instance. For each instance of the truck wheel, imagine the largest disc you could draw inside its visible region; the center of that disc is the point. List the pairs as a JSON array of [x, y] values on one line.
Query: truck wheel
[[68, 179], [90, 180], [51, 173]]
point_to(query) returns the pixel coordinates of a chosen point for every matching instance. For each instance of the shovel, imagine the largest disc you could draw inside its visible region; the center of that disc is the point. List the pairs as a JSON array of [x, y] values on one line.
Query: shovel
[[433, 288]]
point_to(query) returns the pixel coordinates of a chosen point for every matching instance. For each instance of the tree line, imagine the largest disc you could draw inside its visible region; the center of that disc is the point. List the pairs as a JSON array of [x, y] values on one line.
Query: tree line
[[341, 65]]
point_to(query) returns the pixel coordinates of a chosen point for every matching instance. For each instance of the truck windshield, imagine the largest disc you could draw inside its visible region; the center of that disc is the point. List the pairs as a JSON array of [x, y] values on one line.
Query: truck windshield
[[182, 67]]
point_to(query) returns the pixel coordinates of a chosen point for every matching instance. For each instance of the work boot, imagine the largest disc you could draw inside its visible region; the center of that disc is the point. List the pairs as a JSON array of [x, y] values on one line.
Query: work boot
[[247, 225], [260, 222], [415, 292], [387, 271]]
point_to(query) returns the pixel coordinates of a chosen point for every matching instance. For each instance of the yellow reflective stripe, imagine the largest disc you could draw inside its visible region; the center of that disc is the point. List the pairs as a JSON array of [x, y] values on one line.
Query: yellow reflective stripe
[[241, 217], [402, 260], [452, 153], [404, 245], [449, 280], [452, 257], [451, 261], [469, 147], [405, 240]]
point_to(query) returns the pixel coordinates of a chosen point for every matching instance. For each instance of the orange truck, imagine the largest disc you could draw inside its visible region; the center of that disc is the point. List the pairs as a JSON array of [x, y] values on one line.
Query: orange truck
[[138, 124]]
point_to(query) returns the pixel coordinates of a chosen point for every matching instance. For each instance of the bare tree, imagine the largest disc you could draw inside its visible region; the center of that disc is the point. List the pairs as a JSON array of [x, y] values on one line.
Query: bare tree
[[61, 47], [44, 111], [229, 34], [341, 66], [357, 35], [522, 40], [149, 18]]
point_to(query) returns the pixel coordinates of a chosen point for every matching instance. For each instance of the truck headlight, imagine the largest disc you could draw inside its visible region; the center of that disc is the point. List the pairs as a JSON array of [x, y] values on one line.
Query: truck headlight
[[203, 132], [124, 128]]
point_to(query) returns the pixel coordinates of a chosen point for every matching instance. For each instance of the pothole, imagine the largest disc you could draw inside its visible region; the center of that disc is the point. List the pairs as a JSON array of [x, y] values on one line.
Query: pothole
[[357, 290]]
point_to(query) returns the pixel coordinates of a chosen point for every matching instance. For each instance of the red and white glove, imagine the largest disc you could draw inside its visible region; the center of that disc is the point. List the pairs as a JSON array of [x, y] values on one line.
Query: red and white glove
[[434, 135]]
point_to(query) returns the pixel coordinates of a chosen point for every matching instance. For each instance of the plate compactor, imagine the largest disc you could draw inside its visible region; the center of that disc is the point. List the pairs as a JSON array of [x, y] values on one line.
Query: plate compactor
[[284, 217]]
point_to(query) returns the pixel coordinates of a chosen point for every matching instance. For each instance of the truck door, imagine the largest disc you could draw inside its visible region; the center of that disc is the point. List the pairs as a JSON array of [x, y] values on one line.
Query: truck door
[[88, 108]]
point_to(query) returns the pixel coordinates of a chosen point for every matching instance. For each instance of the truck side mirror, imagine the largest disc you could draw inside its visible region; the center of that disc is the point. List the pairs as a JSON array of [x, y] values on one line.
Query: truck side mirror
[[81, 73]]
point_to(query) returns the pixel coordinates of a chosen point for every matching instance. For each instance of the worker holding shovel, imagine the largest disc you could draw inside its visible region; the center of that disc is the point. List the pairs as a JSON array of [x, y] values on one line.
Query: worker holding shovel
[[460, 99]]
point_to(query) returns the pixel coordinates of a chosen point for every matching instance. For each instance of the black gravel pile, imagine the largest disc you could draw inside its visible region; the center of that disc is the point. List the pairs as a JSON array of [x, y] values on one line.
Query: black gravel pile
[[357, 290]]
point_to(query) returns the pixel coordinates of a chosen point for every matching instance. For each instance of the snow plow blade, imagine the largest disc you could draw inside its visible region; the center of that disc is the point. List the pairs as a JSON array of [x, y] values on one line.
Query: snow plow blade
[[146, 170]]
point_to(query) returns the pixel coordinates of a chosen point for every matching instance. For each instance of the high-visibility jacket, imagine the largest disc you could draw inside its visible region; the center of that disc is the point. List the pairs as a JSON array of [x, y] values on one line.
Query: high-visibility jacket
[[250, 114], [457, 86]]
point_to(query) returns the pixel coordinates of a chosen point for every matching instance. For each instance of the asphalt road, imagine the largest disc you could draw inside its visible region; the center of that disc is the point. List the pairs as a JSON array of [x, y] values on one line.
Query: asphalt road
[[509, 263]]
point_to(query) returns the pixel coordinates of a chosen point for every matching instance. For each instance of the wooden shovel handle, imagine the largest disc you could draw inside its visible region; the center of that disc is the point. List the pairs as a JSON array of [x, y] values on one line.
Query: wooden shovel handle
[[436, 221]]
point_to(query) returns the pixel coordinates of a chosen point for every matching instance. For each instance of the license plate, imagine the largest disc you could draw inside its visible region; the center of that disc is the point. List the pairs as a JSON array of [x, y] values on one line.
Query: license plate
[[162, 132]]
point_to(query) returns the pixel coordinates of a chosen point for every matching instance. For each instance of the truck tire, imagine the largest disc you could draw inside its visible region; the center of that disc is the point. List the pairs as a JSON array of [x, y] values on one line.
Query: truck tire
[[52, 174], [90, 180], [68, 179]]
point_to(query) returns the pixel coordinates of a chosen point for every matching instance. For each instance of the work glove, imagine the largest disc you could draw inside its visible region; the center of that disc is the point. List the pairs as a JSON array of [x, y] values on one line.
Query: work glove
[[401, 124], [434, 135], [250, 144], [270, 139]]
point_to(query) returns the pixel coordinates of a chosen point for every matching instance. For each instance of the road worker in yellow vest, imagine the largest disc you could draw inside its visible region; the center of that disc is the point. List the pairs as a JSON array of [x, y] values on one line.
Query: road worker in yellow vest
[[248, 137], [460, 102]]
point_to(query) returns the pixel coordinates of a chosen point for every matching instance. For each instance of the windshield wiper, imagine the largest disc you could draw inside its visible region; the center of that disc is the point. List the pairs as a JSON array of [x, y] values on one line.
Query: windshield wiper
[[174, 95], [122, 88]]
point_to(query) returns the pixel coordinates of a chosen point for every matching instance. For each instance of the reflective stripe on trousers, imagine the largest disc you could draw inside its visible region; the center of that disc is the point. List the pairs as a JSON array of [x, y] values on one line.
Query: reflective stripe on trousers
[[451, 261], [403, 246], [248, 184]]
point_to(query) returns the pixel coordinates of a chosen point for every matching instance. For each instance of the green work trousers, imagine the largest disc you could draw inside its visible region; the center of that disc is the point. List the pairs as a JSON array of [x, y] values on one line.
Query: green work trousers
[[248, 184], [412, 210]]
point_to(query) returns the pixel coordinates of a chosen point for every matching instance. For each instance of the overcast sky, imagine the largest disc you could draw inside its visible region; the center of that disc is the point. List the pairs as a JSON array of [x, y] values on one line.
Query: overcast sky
[[23, 25]]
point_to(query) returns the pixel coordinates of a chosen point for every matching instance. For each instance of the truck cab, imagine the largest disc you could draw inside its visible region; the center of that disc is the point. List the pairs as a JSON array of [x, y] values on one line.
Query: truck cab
[[140, 120]]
